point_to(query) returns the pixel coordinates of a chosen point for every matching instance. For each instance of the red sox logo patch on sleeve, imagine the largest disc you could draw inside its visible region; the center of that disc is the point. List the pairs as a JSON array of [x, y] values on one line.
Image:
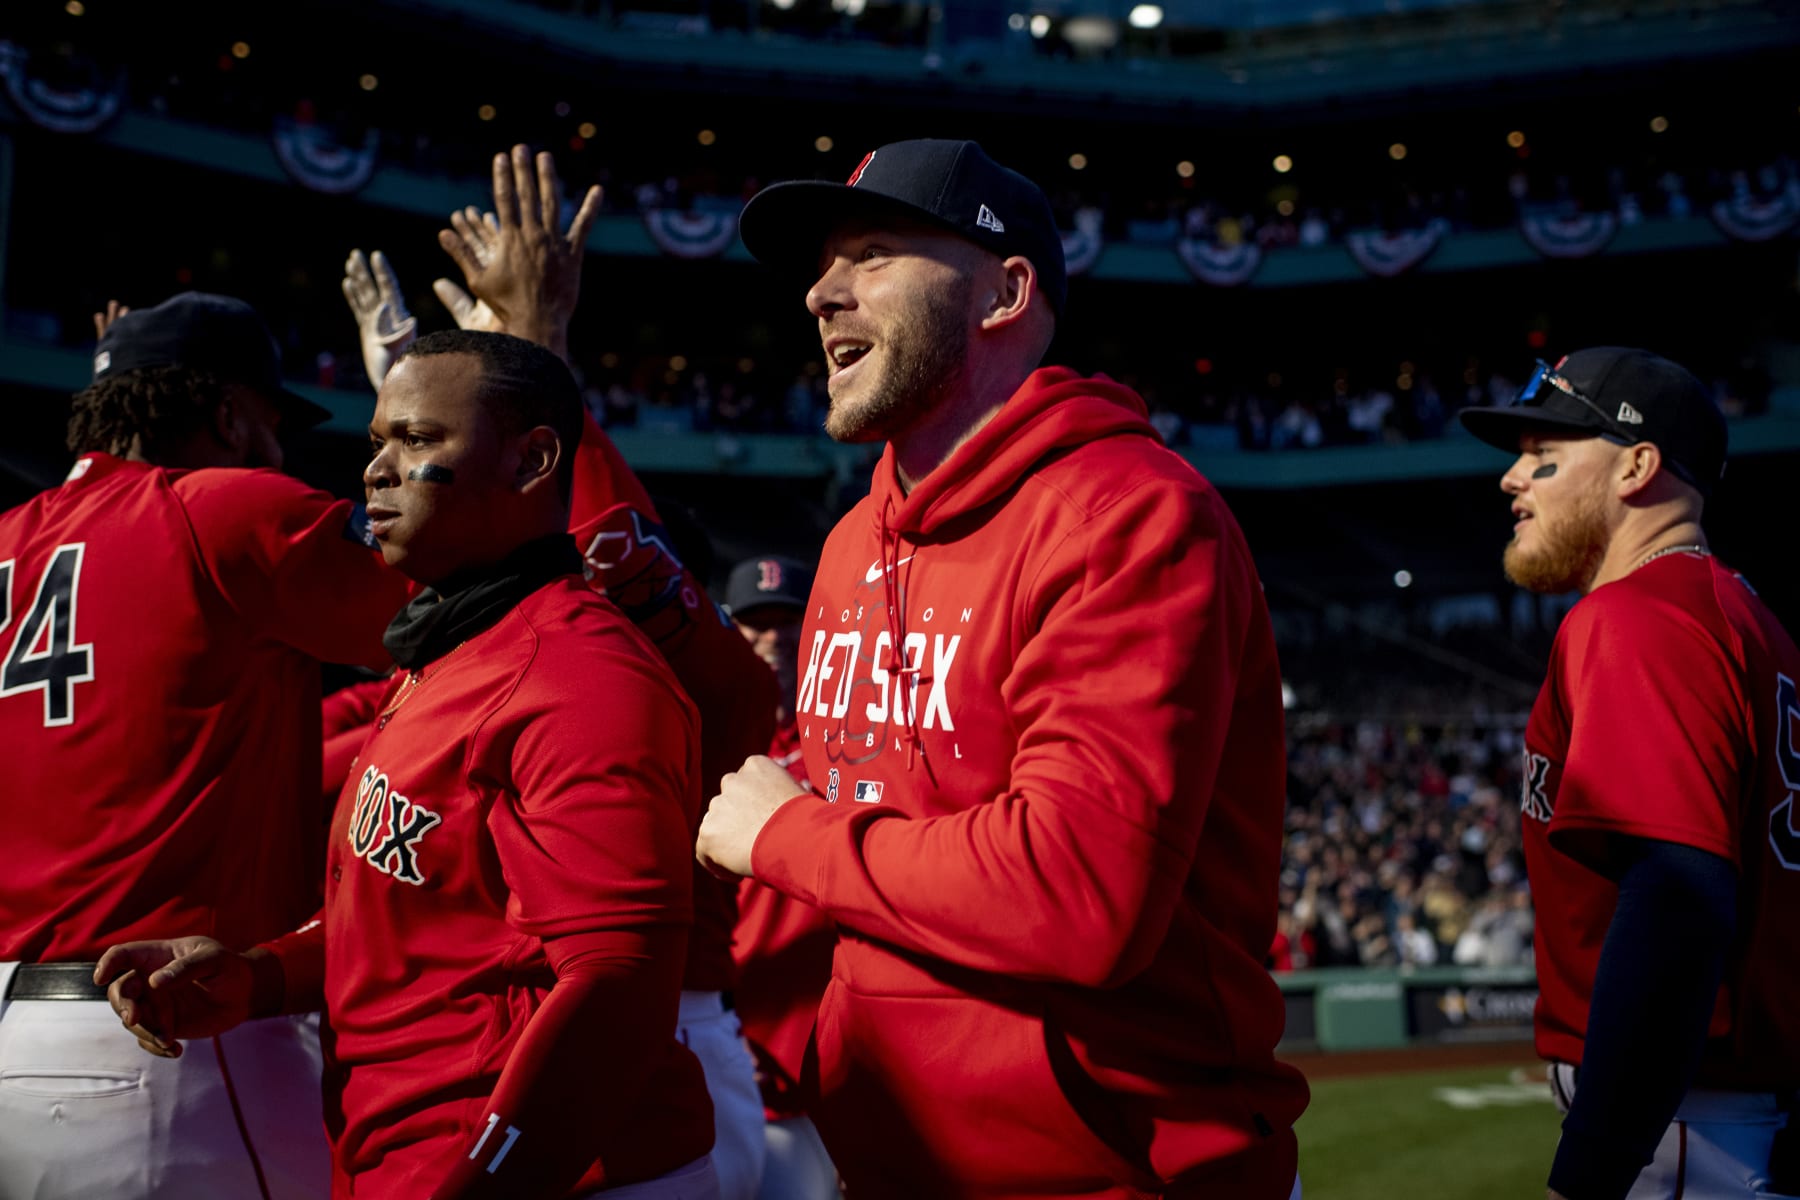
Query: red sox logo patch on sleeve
[[386, 828]]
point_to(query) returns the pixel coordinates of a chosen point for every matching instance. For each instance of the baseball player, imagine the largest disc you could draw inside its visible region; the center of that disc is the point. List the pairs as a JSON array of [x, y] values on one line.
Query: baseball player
[[507, 897], [163, 614], [1038, 691], [1661, 763], [783, 947], [526, 279]]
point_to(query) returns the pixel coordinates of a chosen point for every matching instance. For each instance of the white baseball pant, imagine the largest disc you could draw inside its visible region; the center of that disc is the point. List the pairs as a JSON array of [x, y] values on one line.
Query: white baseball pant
[[1716, 1148], [716, 1038], [85, 1112], [798, 1166]]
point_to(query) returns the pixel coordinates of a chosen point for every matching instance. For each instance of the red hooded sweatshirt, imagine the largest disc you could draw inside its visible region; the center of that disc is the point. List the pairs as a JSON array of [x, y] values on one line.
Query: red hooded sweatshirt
[[1042, 708]]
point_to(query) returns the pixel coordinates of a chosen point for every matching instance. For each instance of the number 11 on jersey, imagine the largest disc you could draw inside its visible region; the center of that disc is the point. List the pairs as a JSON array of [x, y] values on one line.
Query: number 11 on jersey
[[44, 654]]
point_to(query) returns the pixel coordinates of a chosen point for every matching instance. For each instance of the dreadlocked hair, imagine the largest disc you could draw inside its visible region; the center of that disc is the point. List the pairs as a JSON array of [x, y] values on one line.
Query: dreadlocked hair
[[158, 407]]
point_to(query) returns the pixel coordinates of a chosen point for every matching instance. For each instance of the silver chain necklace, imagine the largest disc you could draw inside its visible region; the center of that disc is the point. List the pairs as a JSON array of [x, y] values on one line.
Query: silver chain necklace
[[1693, 548]]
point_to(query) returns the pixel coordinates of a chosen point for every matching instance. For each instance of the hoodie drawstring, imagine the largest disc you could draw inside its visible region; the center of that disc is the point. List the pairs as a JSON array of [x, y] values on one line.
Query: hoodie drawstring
[[906, 678]]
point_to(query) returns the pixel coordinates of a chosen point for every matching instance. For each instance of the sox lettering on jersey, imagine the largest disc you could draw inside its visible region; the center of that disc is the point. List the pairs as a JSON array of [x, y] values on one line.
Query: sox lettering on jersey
[[1784, 835], [1537, 799], [386, 828]]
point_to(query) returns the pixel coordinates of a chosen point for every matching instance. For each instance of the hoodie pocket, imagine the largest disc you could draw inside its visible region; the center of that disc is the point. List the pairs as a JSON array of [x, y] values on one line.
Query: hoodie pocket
[[953, 1096]]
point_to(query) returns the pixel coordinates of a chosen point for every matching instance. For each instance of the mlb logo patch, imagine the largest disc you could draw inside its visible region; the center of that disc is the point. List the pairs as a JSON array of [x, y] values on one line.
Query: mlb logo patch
[[868, 792]]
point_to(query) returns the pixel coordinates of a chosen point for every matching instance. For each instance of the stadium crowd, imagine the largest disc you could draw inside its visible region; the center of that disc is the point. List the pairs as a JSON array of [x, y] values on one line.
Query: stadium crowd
[[1402, 846]]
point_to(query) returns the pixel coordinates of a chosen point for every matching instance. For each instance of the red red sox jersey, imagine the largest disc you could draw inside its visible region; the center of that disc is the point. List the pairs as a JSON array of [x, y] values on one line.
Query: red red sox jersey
[[630, 558], [160, 638], [1670, 712], [783, 950], [1039, 694], [537, 782]]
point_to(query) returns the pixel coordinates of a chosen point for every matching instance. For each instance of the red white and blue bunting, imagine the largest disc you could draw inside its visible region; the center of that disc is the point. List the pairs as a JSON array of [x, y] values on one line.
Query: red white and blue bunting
[[1081, 250], [62, 110], [1220, 266], [1569, 237], [691, 234], [315, 158], [1752, 220], [1388, 254]]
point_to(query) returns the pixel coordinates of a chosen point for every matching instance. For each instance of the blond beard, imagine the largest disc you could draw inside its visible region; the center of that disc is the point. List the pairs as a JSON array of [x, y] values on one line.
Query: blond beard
[[926, 349], [1569, 554]]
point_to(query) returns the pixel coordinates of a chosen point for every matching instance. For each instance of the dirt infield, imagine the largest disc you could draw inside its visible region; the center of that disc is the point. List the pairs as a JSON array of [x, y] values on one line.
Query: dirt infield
[[1352, 1063]]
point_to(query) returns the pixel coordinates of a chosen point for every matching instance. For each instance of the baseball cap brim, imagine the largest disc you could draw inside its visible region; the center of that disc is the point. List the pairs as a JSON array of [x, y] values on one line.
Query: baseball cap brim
[[785, 225], [1503, 427]]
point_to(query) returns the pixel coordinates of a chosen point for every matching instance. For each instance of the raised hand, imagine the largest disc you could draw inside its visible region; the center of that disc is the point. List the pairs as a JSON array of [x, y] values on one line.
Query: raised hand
[[374, 296], [103, 320], [480, 233], [176, 988], [515, 261]]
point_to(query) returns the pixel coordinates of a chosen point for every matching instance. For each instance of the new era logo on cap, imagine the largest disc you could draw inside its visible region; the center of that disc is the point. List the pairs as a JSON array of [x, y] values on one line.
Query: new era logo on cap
[[856, 175], [1629, 415], [985, 219]]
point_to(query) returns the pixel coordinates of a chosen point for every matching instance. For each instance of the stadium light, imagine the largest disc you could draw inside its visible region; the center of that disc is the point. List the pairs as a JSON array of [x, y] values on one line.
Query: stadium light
[[1397, 151], [1145, 16], [1185, 169], [1515, 139], [240, 49], [1077, 162], [706, 137], [486, 112], [369, 83], [1016, 22], [587, 129], [1659, 124], [1283, 164], [1403, 579], [822, 144], [1040, 25], [74, 8], [784, 5], [1090, 33]]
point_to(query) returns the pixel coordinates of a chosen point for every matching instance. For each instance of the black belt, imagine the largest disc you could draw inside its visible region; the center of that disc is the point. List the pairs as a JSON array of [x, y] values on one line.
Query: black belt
[[55, 981]]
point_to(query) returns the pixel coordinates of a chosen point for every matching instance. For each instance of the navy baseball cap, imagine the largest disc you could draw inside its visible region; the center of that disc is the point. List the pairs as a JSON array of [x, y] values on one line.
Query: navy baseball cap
[[217, 334], [951, 185], [769, 581], [1625, 396]]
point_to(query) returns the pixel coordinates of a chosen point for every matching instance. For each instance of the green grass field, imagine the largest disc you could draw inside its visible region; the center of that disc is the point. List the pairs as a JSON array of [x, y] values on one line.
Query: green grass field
[[1388, 1136]]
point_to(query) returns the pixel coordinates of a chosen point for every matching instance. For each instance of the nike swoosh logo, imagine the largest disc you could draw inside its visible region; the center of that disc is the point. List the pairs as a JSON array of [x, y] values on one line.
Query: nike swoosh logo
[[874, 575]]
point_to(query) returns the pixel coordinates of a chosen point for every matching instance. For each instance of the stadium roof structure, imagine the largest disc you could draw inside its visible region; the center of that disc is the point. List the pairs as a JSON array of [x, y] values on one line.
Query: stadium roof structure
[[1221, 57]]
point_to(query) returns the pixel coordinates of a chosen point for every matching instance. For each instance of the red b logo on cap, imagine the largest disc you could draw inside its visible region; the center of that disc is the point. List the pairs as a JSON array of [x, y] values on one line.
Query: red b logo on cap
[[771, 575]]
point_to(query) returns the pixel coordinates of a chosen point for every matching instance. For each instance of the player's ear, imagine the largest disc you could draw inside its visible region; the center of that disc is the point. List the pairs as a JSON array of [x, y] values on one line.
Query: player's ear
[[225, 421], [1010, 297], [1638, 465], [540, 452]]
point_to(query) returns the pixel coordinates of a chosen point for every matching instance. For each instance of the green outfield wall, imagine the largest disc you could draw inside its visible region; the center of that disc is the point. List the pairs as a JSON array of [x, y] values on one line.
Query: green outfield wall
[[1348, 1008]]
